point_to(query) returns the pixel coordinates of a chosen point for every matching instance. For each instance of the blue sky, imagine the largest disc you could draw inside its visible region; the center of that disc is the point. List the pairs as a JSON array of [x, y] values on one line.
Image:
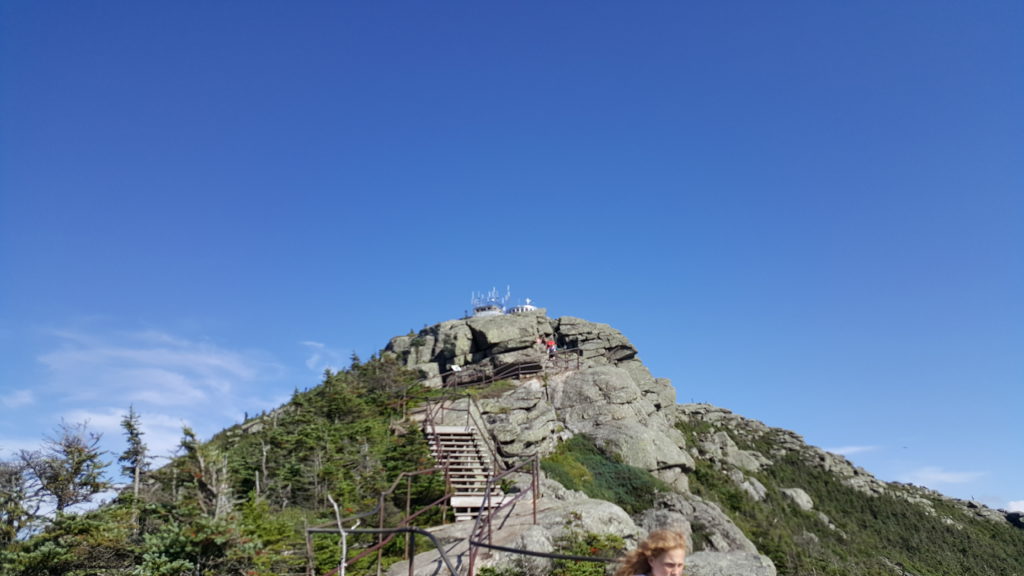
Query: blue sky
[[808, 213]]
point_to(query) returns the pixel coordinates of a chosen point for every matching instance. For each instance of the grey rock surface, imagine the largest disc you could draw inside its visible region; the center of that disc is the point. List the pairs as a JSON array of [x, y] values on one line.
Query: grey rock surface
[[799, 497], [613, 399], [728, 564]]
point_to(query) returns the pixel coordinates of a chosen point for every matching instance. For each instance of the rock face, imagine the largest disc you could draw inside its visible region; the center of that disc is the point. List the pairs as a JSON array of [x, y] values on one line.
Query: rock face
[[490, 343], [605, 403], [486, 343], [608, 395]]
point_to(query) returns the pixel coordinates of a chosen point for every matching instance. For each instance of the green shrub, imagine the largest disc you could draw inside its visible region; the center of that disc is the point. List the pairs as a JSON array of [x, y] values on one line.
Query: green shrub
[[578, 464], [577, 543]]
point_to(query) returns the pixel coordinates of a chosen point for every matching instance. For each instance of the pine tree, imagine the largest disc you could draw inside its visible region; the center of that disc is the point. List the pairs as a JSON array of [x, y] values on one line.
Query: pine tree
[[134, 463], [16, 511], [69, 469]]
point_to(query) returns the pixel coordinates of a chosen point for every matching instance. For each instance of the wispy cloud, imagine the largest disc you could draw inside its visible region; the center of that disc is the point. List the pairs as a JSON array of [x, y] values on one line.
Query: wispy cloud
[[94, 375], [323, 358], [160, 432], [150, 366], [11, 446], [17, 398], [933, 476], [850, 450]]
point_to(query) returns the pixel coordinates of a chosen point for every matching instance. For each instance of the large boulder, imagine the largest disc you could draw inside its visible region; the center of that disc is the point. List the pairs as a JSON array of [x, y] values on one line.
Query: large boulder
[[729, 564], [799, 497], [498, 334], [688, 513], [598, 343], [523, 423]]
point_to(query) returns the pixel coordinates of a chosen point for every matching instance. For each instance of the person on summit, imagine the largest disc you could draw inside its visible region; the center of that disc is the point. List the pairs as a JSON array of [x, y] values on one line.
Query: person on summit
[[661, 554], [552, 348]]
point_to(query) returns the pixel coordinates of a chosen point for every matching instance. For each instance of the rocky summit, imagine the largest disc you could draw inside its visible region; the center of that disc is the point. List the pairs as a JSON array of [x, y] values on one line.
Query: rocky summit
[[595, 386]]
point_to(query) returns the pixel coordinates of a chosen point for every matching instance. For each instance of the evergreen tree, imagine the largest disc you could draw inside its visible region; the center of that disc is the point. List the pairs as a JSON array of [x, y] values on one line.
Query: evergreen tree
[[134, 463], [15, 512], [207, 467], [69, 469]]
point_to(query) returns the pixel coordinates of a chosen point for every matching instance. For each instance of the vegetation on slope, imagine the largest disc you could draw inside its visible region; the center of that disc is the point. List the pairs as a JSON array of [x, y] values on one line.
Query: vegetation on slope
[[238, 503], [859, 535], [578, 464]]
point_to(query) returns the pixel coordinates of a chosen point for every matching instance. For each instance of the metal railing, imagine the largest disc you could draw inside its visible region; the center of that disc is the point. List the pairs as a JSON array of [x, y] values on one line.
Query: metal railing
[[436, 411], [484, 525], [380, 512], [410, 546], [481, 536], [560, 360]]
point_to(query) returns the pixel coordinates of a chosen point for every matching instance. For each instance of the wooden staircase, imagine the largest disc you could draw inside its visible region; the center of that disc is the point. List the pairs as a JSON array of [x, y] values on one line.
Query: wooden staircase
[[467, 463]]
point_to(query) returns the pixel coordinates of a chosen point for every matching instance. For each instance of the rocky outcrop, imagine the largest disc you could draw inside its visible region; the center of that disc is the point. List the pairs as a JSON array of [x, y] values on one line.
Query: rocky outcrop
[[690, 514], [1016, 519], [485, 343], [612, 398], [488, 344], [718, 445], [603, 402]]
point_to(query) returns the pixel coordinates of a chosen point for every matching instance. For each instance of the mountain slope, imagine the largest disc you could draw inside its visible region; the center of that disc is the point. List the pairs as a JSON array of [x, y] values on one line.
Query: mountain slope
[[619, 458]]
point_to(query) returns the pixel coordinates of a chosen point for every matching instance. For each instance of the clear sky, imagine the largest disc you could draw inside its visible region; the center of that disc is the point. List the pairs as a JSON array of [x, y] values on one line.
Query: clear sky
[[808, 212]]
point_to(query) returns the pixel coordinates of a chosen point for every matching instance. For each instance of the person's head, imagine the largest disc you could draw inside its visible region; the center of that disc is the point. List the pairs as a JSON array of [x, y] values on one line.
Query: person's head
[[661, 554]]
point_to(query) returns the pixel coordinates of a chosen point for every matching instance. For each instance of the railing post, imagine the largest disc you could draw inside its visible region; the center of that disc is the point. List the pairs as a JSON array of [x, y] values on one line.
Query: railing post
[[410, 550], [536, 486], [408, 511], [310, 556], [380, 537]]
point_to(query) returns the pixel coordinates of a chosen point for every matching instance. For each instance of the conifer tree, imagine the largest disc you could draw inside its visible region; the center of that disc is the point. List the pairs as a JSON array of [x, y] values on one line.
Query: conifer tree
[[15, 512], [69, 469], [134, 463]]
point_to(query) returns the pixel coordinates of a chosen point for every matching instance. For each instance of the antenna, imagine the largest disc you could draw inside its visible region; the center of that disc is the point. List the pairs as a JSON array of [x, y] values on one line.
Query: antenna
[[492, 304]]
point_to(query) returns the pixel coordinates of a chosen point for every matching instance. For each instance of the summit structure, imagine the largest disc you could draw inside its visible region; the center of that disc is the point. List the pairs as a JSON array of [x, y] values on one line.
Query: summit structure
[[494, 304]]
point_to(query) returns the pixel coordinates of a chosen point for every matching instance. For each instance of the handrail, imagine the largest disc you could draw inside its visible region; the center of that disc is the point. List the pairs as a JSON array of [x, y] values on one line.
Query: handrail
[[472, 410], [485, 519], [472, 413], [391, 490], [392, 532], [433, 411], [566, 359], [486, 513], [379, 510], [552, 555], [517, 370]]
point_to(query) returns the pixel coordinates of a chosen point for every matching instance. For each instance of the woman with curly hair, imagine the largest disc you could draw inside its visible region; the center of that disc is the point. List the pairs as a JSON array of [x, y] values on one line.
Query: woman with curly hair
[[661, 554]]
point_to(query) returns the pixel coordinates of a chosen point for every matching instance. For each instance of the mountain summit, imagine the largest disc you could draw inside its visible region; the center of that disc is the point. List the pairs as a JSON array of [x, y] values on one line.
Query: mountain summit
[[754, 500]]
